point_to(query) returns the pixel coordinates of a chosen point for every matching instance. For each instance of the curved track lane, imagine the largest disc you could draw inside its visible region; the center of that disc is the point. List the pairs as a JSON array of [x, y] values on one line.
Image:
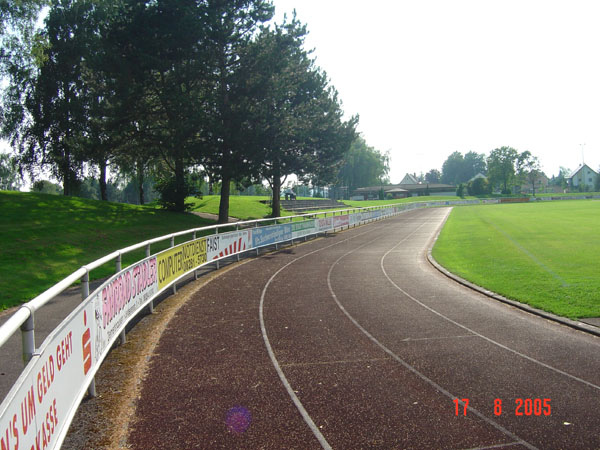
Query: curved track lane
[[355, 341]]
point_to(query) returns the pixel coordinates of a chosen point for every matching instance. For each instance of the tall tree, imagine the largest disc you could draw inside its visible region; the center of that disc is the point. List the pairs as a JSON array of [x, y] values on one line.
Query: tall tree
[[528, 168], [296, 119], [229, 26], [452, 169], [433, 176], [363, 166], [474, 163], [57, 104], [501, 167], [21, 51], [155, 61], [460, 169]]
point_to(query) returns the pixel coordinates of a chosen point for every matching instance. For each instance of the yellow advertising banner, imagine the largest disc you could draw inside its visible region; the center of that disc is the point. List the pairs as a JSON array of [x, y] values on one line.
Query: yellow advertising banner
[[180, 259]]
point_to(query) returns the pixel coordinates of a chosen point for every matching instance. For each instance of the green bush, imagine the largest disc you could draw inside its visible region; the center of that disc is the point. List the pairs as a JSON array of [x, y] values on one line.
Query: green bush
[[479, 186]]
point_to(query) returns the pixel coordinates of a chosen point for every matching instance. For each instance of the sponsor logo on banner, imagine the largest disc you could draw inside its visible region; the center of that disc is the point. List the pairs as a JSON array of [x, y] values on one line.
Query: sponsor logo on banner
[[303, 228], [120, 297], [173, 263], [341, 221], [226, 244], [36, 410], [324, 224], [272, 234]]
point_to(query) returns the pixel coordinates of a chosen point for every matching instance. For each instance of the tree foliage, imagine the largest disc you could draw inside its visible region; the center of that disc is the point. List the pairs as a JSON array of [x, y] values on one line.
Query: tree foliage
[[460, 169], [501, 167], [9, 174], [433, 176], [479, 186], [170, 86], [528, 169], [363, 166], [294, 116]]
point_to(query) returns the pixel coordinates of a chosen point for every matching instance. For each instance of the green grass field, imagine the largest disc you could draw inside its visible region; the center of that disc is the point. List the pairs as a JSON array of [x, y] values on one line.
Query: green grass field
[[44, 238], [242, 207], [542, 254]]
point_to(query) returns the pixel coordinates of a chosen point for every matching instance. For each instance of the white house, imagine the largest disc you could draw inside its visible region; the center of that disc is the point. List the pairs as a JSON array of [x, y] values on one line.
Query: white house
[[583, 176], [409, 179]]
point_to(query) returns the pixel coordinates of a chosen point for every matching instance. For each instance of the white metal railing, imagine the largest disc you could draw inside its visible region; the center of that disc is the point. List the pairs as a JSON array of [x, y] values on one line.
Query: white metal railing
[[45, 397]]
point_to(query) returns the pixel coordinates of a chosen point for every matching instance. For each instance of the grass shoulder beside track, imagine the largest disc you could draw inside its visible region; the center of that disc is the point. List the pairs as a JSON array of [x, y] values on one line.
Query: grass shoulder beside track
[[541, 254], [44, 238]]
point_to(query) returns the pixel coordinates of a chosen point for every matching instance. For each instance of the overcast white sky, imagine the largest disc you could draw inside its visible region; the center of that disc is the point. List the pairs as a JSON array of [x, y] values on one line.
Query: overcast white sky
[[430, 77]]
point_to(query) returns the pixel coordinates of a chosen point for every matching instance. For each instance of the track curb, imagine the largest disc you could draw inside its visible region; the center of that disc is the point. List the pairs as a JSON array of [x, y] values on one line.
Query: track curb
[[494, 296]]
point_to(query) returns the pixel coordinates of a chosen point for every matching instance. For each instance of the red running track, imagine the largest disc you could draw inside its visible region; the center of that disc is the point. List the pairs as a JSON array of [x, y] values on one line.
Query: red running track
[[355, 341]]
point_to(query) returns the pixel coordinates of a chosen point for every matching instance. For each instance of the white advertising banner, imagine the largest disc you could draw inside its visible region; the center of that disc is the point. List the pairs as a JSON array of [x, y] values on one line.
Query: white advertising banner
[[356, 218], [226, 244], [119, 299], [341, 221], [304, 228], [37, 411], [324, 224]]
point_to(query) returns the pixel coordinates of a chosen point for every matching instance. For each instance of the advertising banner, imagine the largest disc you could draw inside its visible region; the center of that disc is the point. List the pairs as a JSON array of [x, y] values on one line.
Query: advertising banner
[[355, 218], [303, 228], [120, 298], [324, 224], [37, 411], [179, 260], [272, 234], [341, 221], [226, 244]]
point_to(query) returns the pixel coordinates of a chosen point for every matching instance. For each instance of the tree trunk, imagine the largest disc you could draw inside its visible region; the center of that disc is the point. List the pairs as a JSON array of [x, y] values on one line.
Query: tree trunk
[[102, 181], [179, 185], [224, 203], [140, 181], [276, 197]]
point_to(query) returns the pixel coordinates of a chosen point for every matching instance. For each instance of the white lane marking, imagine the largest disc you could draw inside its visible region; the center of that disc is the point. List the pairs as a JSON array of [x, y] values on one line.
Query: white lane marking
[[510, 444], [408, 366], [490, 340], [443, 338], [311, 424]]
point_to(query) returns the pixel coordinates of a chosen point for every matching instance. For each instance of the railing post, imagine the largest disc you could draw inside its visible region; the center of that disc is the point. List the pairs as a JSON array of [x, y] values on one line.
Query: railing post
[[151, 304], [85, 293], [174, 287], [256, 226], [85, 285], [237, 228], [28, 337], [117, 270], [218, 262]]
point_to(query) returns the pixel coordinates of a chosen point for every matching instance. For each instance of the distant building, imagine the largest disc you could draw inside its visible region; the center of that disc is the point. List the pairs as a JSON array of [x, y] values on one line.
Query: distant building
[[404, 190], [582, 176], [479, 175], [409, 179]]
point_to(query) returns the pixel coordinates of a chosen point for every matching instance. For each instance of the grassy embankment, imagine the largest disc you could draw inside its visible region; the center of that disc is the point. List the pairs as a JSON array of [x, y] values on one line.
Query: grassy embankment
[[44, 238], [542, 254]]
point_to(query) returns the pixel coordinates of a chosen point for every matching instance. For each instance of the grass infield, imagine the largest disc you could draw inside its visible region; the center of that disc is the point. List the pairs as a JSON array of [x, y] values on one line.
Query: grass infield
[[542, 254]]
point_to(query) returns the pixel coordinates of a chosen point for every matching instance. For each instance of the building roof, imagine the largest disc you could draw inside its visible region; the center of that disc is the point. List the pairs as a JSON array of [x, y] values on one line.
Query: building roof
[[409, 179], [479, 175], [407, 187], [581, 166]]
